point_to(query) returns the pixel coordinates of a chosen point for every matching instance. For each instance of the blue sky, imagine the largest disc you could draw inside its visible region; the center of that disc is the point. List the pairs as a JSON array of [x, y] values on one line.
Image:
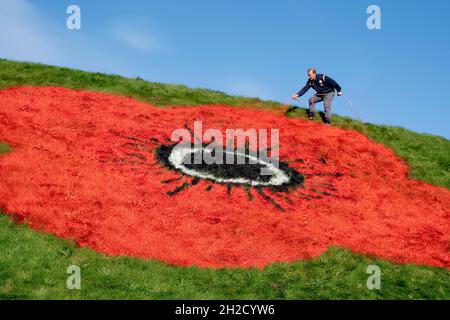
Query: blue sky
[[398, 75]]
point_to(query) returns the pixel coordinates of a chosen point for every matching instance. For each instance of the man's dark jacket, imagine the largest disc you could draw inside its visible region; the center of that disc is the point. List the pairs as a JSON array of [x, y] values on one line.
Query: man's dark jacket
[[323, 85]]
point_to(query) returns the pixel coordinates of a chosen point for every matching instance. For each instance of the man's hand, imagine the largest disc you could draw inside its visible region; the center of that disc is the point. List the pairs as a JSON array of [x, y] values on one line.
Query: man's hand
[[339, 93], [295, 96]]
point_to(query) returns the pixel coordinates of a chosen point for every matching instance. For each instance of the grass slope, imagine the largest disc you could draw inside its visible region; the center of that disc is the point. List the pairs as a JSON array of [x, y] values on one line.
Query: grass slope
[[33, 265]]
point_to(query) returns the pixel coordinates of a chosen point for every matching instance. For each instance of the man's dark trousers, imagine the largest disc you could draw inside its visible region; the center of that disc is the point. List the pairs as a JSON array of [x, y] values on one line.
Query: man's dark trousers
[[327, 99]]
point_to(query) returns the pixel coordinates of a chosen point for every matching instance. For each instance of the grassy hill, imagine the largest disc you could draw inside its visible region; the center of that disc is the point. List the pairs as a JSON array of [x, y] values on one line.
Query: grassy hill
[[33, 265]]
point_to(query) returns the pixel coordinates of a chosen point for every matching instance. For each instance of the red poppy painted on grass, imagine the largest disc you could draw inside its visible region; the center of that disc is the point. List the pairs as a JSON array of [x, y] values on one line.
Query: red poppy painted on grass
[[85, 166]]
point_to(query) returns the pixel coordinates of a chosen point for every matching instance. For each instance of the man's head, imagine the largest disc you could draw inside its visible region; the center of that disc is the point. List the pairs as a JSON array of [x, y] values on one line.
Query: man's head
[[312, 74]]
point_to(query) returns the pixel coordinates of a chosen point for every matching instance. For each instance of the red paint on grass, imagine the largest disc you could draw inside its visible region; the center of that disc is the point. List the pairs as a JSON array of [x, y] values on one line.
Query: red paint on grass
[[76, 173]]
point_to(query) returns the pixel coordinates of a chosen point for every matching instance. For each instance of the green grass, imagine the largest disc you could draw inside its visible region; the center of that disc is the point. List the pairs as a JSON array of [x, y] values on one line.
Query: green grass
[[33, 265], [4, 148], [427, 155]]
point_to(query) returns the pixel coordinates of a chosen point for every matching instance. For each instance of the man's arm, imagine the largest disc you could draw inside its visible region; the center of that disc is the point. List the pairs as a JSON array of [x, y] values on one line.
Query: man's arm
[[302, 91], [334, 84]]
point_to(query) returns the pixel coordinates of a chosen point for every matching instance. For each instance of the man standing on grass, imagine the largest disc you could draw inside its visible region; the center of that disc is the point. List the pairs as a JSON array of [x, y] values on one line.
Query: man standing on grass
[[325, 88]]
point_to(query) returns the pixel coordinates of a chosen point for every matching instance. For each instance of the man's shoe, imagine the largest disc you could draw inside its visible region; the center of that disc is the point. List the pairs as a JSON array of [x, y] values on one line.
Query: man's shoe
[[328, 121], [311, 116]]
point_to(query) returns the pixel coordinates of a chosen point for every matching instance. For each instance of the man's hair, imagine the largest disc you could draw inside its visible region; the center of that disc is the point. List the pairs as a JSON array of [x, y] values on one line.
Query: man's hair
[[313, 70]]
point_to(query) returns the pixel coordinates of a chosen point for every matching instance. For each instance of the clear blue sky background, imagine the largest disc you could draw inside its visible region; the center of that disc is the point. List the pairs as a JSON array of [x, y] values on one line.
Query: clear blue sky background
[[398, 75]]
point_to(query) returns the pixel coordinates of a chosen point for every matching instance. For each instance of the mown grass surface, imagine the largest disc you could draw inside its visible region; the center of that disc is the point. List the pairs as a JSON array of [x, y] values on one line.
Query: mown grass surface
[[33, 265]]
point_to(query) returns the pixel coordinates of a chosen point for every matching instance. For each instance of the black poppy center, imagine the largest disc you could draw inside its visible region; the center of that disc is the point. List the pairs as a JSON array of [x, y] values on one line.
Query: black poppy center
[[241, 168]]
